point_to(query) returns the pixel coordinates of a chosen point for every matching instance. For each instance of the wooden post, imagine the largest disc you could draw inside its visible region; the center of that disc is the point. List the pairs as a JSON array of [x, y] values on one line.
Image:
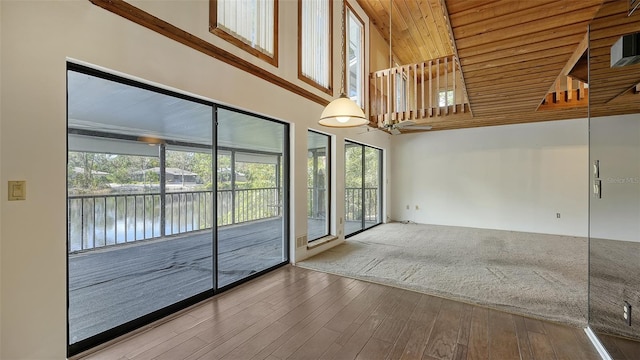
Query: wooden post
[[455, 103], [569, 89], [430, 90]]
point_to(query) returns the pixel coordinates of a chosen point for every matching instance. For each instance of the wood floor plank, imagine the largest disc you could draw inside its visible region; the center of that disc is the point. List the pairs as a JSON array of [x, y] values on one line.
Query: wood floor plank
[[478, 347], [360, 305], [374, 349], [631, 349], [257, 343], [534, 325], [565, 344], [541, 348], [465, 325], [316, 345], [522, 336], [503, 342], [422, 321], [182, 350], [460, 352], [443, 337], [303, 314]]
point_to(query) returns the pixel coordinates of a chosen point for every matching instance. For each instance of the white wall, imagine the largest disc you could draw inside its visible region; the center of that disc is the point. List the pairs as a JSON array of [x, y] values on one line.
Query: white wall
[[615, 142], [37, 37], [514, 177]]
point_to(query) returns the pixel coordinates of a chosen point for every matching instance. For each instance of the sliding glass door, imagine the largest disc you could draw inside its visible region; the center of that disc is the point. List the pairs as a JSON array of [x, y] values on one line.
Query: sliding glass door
[[363, 187], [164, 208], [252, 196]]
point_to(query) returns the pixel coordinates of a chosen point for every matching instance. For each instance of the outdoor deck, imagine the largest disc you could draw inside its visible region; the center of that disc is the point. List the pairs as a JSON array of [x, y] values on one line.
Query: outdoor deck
[[113, 285]]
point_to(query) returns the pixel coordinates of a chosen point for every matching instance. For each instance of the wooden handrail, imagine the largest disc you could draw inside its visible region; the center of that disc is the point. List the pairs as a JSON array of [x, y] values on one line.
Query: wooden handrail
[[417, 91]]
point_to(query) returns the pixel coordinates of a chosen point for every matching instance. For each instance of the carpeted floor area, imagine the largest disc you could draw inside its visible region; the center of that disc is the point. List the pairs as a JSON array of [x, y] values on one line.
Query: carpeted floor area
[[542, 276]]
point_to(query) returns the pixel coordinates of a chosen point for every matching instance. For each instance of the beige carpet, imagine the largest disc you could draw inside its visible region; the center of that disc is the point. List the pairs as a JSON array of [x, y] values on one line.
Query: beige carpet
[[542, 276]]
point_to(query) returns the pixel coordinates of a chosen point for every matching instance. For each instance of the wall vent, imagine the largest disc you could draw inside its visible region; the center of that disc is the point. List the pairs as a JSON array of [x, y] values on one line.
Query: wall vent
[[626, 51], [301, 241]]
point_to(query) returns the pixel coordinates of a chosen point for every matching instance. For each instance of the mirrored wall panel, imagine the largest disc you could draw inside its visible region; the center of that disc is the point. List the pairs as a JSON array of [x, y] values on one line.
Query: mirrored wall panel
[[614, 210]]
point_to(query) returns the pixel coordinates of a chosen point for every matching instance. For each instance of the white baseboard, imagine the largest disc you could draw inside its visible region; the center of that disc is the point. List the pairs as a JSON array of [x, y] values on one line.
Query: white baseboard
[[598, 345]]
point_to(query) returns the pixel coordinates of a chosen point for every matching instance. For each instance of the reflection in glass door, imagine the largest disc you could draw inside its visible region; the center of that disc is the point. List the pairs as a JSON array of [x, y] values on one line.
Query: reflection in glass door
[[139, 195], [318, 176], [614, 161], [363, 190], [252, 195]]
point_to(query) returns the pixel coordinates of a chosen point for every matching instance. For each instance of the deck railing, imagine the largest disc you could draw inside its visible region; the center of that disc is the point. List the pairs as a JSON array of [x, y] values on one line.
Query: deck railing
[[354, 204], [96, 221], [417, 91]]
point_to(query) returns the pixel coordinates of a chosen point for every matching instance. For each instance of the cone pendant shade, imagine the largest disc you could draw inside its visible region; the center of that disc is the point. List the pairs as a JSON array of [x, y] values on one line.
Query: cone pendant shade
[[342, 112]]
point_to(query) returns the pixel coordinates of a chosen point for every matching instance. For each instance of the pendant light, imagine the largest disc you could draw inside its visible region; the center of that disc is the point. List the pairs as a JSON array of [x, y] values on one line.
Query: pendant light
[[342, 112]]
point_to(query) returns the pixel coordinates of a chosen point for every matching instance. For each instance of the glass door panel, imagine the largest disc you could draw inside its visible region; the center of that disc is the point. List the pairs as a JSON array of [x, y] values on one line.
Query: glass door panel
[[353, 192], [140, 236], [318, 177], [363, 191], [372, 193], [252, 236]]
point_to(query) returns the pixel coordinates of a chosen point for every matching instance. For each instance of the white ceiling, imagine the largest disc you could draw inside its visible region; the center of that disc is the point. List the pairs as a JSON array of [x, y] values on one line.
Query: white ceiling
[[103, 105]]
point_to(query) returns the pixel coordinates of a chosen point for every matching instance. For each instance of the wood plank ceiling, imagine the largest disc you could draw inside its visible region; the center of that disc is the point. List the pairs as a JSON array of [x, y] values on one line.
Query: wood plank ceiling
[[511, 52], [612, 89]]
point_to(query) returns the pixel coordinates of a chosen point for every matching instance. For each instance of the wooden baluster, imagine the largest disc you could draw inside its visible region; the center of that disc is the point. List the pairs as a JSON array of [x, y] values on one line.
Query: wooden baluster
[[372, 96], [415, 91], [558, 91], [580, 90], [438, 84], [389, 97], [455, 103], [407, 92], [569, 89], [422, 89], [446, 85], [430, 90]]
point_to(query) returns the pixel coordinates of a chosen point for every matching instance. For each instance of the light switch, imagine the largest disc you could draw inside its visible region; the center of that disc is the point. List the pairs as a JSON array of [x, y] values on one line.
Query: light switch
[[17, 190]]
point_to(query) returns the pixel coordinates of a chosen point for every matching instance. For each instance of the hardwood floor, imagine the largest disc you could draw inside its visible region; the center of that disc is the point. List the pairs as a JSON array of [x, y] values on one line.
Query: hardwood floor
[[620, 348], [294, 313]]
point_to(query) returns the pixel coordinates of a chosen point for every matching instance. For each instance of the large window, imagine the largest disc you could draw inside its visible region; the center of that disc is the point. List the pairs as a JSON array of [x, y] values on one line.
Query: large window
[[318, 177], [249, 24], [355, 57], [363, 187], [164, 208], [314, 43]]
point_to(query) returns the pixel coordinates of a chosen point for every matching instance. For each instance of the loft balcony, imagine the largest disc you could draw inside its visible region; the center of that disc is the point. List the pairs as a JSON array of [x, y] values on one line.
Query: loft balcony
[[420, 92]]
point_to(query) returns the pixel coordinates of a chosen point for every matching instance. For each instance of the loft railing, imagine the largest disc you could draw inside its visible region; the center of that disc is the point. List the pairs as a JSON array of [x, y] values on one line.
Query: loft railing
[[417, 91], [566, 93], [97, 221]]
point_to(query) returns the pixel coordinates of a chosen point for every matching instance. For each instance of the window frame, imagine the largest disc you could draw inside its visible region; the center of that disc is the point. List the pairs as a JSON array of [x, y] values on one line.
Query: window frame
[[301, 75], [448, 95], [230, 38], [380, 179], [328, 179], [350, 10]]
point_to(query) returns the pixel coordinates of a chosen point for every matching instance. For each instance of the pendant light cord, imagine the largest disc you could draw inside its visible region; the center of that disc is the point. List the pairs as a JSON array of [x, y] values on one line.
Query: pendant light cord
[[342, 52]]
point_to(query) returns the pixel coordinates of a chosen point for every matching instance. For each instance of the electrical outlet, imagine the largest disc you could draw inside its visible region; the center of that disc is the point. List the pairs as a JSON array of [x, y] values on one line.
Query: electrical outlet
[[627, 313], [558, 215]]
